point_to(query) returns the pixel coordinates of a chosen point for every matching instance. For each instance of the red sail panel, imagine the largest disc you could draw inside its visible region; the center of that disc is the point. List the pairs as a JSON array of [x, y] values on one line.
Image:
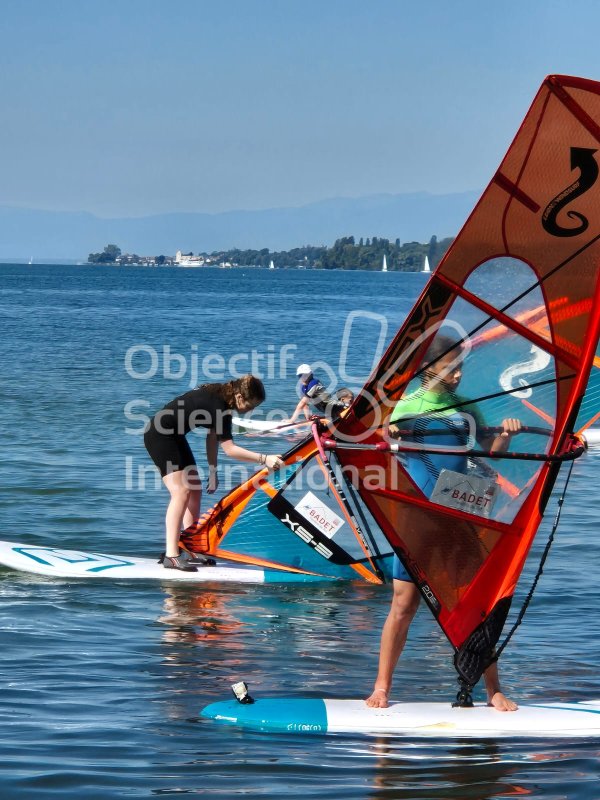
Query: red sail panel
[[519, 288]]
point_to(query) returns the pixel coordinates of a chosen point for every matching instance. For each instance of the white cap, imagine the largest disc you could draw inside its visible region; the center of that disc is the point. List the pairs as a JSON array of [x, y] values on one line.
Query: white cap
[[304, 369]]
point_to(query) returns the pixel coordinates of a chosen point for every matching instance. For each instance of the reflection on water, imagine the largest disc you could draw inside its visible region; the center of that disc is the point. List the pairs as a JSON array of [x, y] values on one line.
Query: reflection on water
[[403, 771], [196, 616]]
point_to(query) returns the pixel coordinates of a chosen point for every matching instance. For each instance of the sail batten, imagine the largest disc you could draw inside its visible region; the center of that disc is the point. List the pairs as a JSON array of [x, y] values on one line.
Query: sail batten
[[513, 190], [510, 323], [557, 87]]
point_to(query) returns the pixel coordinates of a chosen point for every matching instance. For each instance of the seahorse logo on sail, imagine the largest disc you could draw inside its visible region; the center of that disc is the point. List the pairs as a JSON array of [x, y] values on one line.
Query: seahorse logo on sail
[[511, 377], [582, 158]]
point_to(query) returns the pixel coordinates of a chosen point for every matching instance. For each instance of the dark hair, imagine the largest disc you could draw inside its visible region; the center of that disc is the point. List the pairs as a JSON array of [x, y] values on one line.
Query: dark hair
[[249, 386], [439, 347]]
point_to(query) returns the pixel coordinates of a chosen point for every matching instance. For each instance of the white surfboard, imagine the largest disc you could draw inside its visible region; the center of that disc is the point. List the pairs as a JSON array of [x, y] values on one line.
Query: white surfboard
[[273, 427], [58, 563], [592, 437], [414, 720]]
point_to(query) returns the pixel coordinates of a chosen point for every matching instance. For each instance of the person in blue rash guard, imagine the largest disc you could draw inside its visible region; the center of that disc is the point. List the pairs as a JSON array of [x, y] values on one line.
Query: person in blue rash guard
[[314, 394], [441, 377]]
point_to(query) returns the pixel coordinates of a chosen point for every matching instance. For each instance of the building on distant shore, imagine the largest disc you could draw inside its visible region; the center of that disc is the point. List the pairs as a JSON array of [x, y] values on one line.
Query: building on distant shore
[[133, 260], [190, 260], [112, 255]]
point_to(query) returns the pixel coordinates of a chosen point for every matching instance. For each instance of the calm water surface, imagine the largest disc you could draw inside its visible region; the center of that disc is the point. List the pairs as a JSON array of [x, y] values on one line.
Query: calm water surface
[[102, 682]]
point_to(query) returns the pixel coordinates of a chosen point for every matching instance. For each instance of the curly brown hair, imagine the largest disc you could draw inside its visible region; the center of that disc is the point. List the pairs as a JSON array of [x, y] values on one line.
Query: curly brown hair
[[249, 386]]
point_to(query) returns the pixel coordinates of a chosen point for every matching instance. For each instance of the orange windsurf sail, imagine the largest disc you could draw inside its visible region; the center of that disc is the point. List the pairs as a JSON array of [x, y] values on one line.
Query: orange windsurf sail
[[297, 523]]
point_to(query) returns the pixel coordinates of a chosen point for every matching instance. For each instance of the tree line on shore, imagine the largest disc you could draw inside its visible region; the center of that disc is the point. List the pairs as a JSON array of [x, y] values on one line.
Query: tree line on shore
[[346, 253]]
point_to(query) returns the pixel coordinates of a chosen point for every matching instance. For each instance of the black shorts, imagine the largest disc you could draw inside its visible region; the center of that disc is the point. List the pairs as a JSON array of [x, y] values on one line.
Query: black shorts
[[170, 452]]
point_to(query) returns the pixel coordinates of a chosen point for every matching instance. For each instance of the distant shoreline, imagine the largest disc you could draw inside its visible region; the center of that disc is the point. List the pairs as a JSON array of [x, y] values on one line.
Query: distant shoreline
[[370, 254], [375, 254]]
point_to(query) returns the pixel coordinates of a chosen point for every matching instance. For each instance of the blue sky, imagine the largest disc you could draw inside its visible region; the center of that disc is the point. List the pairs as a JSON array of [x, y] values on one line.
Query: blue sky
[[134, 107]]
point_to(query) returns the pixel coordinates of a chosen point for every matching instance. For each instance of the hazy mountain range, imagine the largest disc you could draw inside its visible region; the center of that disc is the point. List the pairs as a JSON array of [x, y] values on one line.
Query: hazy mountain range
[[53, 235]]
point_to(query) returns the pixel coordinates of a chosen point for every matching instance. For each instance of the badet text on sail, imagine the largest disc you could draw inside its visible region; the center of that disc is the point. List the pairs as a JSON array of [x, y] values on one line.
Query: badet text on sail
[[513, 309]]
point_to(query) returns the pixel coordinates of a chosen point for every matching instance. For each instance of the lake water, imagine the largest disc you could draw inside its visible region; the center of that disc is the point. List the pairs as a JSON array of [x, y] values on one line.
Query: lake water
[[102, 682]]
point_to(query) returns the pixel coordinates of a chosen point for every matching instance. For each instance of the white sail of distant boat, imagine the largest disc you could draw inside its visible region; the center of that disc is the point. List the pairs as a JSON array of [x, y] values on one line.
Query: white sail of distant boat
[[30, 260], [426, 267], [384, 265], [271, 264]]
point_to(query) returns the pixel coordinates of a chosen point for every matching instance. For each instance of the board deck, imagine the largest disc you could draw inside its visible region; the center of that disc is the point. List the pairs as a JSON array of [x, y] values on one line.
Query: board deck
[[415, 720], [59, 563], [271, 427], [592, 437]]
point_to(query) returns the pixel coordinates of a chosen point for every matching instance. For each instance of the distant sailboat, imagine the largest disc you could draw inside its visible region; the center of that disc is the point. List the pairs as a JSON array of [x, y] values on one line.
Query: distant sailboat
[[426, 267], [384, 265], [30, 260], [271, 264]]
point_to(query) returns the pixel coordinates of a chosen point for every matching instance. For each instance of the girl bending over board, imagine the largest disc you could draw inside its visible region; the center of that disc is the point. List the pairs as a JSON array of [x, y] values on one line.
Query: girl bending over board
[[207, 406]]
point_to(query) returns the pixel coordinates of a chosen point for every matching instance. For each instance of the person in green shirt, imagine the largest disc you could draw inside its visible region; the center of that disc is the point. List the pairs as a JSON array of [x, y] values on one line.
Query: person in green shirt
[[435, 405]]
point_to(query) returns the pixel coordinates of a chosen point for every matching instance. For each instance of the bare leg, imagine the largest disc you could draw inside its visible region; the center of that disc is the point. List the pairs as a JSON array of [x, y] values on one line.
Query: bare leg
[[192, 511], [495, 696], [405, 602], [179, 490]]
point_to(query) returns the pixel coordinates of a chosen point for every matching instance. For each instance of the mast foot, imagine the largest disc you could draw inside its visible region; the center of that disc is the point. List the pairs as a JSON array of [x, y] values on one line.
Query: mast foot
[[464, 698]]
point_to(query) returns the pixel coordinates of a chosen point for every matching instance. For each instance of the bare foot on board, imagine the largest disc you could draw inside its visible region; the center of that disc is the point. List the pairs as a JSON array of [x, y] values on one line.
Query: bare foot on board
[[378, 699], [501, 702]]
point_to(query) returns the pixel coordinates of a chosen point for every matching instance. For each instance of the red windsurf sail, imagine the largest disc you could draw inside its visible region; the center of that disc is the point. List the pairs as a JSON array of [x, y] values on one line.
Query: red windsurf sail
[[519, 289]]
